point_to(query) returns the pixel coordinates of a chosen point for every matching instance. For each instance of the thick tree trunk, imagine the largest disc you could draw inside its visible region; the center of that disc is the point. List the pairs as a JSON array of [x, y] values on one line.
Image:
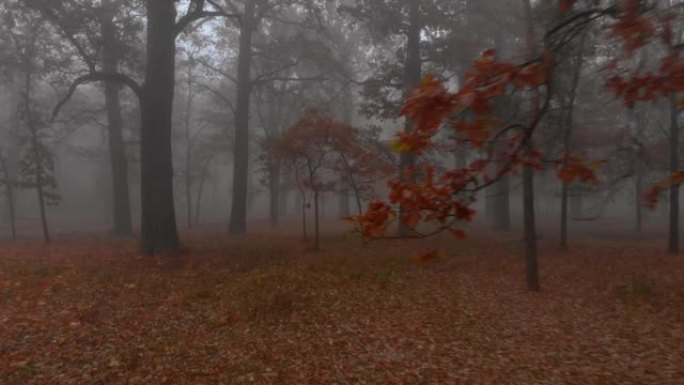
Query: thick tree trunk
[[673, 232], [158, 225], [121, 208], [238, 213], [412, 75], [567, 137]]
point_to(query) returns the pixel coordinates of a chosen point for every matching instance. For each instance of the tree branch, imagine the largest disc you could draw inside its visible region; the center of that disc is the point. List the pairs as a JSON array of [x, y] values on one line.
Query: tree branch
[[95, 77], [196, 12]]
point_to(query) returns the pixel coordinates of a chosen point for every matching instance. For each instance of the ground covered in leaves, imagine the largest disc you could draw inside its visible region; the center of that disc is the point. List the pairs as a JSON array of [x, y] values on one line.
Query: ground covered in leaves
[[266, 311]]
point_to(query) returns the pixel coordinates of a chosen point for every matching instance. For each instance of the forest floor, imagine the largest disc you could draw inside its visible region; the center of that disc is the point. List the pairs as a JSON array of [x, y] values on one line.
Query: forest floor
[[264, 310]]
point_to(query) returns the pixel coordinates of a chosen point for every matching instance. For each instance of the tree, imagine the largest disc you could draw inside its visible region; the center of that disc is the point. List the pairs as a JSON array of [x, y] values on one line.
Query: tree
[[159, 233], [443, 199], [29, 36], [314, 150]]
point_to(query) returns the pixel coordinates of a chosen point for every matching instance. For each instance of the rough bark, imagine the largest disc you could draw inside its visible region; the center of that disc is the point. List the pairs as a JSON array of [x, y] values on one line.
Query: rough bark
[[238, 213], [158, 228]]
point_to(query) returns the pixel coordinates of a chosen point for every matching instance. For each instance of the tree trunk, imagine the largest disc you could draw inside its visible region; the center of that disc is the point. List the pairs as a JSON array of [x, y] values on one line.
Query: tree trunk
[[412, 75], [9, 195], [121, 208], [567, 137], [188, 147], [317, 231], [532, 269], [238, 213], [158, 231], [302, 197], [673, 232]]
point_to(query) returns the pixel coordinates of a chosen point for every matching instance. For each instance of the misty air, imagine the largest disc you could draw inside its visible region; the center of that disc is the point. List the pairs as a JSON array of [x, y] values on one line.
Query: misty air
[[341, 192]]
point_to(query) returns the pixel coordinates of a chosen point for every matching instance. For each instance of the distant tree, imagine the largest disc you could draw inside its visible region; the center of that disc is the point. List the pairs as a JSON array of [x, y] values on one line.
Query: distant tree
[[36, 55]]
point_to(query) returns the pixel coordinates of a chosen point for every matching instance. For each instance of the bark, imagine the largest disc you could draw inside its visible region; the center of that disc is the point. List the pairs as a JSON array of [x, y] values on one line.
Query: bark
[[412, 75], [121, 208], [567, 137], [158, 231], [673, 232], [238, 213]]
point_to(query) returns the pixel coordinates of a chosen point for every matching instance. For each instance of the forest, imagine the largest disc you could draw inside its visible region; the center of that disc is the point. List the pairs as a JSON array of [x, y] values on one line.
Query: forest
[[341, 192]]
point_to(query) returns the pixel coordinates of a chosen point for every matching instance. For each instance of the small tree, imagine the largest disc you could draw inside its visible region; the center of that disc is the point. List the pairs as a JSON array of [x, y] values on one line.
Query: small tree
[[309, 150]]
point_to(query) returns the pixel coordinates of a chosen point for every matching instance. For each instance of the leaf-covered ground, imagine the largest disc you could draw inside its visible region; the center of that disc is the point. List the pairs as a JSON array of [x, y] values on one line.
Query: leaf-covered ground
[[265, 311]]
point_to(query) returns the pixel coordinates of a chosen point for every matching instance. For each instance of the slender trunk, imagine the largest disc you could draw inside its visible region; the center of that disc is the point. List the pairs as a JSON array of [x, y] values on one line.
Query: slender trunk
[[188, 150], [303, 198], [121, 208], [567, 137], [316, 222], [532, 269], [9, 194], [238, 213], [412, 75], [673, 233], [159, 233]]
